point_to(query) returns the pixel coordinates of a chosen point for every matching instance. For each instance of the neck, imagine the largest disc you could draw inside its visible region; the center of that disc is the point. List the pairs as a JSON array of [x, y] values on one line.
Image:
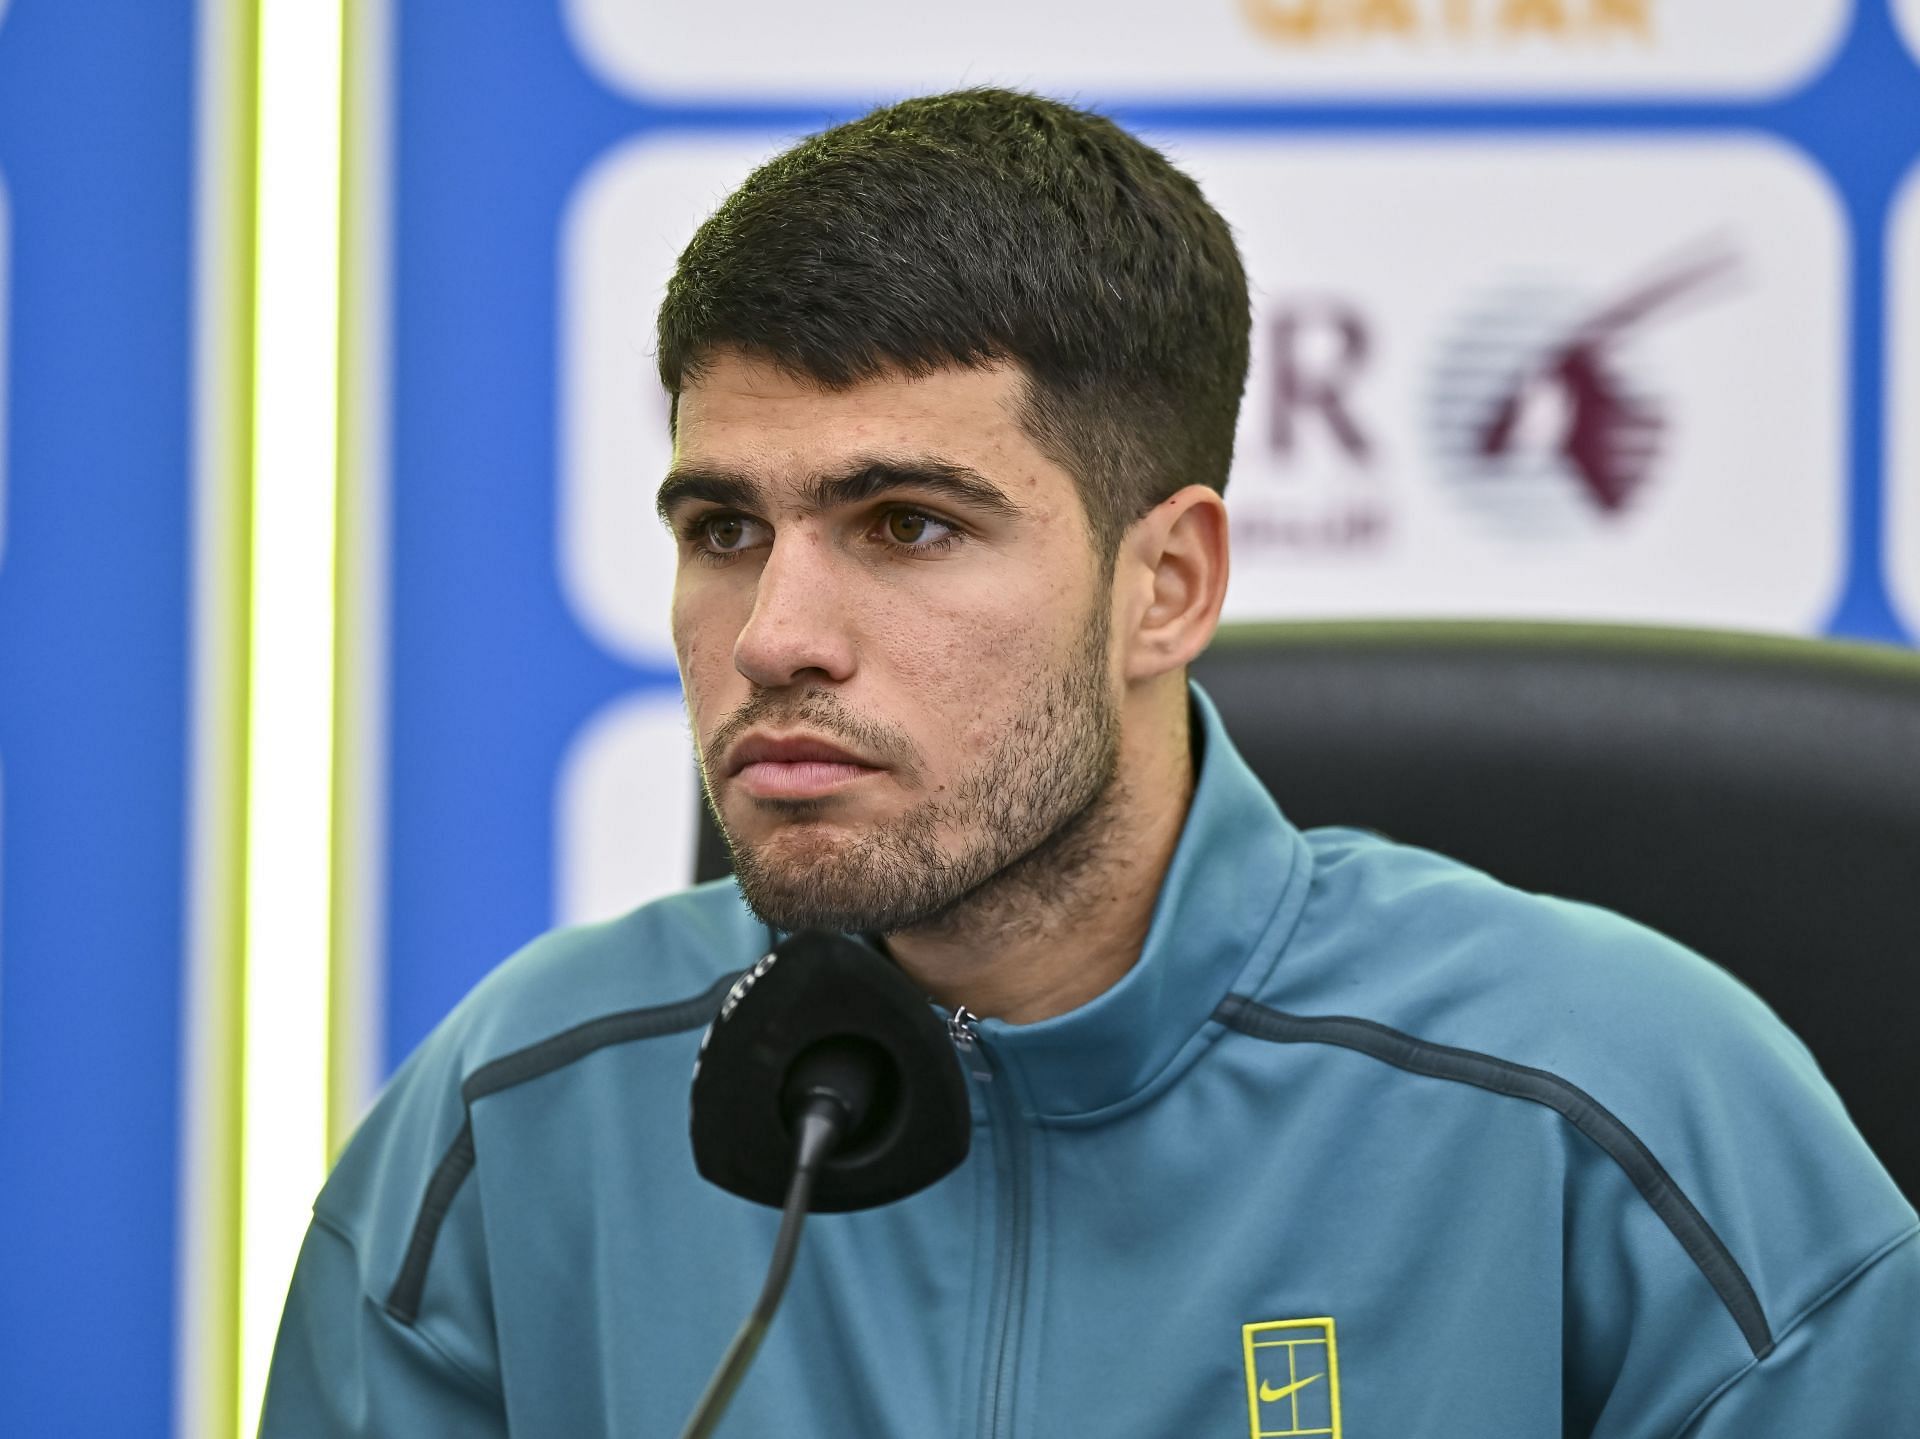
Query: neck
[[1064, 925]]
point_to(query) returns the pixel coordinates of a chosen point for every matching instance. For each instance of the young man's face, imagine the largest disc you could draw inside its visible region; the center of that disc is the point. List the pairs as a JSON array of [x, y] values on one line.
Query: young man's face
[[893, 631]]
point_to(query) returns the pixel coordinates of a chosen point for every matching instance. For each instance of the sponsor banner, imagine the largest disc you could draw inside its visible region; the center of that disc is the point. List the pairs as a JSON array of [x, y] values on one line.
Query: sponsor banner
[[1902, 409], [1276, 49], [1569, 380], [97, 516]]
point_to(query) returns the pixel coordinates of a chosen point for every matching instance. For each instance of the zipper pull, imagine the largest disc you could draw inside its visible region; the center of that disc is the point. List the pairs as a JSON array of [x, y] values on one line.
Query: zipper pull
[[963, 1027]]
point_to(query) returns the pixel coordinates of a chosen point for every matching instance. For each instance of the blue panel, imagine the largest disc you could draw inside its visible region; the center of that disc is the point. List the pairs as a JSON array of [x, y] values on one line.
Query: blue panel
[[95, 154], [496, 119]]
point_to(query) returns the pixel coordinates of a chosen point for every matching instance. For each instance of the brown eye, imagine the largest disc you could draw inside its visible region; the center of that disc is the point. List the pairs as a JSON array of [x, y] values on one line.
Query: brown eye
[[905, 527], [724, 531]]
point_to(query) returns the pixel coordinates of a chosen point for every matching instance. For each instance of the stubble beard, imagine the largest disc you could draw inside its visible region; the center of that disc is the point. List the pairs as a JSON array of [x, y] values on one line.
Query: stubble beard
[[1033, 816]]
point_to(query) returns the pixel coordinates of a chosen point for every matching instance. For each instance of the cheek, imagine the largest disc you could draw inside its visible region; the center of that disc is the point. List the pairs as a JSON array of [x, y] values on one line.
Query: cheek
[[971, 669], [703, 646]]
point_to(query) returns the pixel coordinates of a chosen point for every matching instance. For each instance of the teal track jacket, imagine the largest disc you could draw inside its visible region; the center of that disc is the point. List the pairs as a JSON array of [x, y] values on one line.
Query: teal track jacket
[[1365, 1145]]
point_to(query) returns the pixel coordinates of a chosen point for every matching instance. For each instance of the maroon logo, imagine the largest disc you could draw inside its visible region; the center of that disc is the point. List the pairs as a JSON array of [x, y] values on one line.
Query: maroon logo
[[1539, 406], [1325, 492], [1320, 351]]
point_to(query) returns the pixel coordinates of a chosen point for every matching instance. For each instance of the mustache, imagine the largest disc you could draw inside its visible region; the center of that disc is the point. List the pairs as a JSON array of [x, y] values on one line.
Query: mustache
[[823, 712]]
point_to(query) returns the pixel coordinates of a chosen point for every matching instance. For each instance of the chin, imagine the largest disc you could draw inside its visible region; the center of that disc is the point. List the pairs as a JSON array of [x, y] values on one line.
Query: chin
[[761, 824], [789, 849]]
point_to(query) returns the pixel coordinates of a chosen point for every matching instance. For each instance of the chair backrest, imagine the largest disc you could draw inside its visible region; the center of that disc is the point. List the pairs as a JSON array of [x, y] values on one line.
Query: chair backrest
[[1756, 798]]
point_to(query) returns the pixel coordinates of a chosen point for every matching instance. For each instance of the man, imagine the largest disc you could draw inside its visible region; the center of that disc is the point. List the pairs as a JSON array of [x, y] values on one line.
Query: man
[[1276, 1134]]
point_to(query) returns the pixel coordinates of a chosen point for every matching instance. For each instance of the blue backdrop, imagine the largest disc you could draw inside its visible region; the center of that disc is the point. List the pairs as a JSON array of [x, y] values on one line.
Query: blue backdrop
[[96, 146]]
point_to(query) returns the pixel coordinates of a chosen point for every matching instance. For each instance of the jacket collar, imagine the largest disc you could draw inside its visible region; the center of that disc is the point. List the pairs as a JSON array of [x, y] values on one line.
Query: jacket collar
[[1230, 897]]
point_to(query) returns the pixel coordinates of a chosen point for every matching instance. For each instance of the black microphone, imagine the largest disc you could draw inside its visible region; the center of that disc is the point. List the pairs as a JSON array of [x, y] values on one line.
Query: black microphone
[[826, 1082]]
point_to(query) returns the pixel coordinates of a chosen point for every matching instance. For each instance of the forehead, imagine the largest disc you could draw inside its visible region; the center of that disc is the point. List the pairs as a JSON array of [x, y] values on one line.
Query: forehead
[[747, 416]]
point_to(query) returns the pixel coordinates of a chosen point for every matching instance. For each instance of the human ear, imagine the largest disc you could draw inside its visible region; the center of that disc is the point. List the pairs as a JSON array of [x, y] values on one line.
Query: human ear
[[1170, 581]]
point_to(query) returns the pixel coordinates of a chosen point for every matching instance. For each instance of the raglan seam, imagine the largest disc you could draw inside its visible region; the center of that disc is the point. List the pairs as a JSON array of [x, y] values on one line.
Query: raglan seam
[[590, 1036], [1701, 1243], [484, 1387], [520, 1066], [1814, 1306]]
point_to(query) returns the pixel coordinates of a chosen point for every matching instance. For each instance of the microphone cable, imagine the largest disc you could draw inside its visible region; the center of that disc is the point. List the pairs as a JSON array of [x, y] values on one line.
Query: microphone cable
[[820, 1124]]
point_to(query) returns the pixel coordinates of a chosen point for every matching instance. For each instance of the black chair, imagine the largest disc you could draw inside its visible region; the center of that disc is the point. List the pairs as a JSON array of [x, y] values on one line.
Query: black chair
[[1755, 798]]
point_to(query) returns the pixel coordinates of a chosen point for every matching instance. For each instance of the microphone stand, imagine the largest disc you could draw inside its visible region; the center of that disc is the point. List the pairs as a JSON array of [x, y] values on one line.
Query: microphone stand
[[820, 1125]]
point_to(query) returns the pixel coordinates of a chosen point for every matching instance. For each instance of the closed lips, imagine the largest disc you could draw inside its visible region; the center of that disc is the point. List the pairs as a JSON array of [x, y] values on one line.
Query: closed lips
[[757, 750]]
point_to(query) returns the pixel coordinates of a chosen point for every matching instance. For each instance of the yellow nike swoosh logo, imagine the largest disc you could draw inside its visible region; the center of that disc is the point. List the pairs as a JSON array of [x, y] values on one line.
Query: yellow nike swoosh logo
[[1268, 1393]]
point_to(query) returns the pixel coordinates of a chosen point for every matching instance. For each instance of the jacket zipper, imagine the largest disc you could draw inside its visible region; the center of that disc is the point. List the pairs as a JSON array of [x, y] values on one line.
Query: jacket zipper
[[1007, 1308]]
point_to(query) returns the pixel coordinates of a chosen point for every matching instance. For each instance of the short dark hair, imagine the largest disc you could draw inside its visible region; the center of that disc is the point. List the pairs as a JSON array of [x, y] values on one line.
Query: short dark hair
[[981, 227]]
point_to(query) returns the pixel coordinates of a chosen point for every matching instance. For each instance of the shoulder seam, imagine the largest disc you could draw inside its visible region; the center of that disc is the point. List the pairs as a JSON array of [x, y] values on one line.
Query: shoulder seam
[[1832, 1292], [522, 1065], [1573, 1104], [559, 1050], [477, 1382]]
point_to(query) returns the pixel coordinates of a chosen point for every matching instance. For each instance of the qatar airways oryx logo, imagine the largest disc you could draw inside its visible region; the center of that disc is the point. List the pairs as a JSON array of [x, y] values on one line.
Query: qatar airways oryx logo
[[1545, 413]]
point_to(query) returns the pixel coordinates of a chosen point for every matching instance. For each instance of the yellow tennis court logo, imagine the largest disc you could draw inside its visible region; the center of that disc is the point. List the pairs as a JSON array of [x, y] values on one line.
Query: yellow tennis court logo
[[1293, 1378]]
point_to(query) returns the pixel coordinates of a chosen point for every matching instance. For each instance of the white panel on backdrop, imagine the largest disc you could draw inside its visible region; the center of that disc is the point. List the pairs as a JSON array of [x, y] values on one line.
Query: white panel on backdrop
[[625, 812], [1903, 402], [627, 222], [1204, 48], [1557, 380], [1547, 379], [1907, 12]]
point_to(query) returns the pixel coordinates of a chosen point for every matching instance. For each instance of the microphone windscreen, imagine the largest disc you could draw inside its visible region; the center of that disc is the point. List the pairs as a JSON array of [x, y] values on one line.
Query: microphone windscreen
[[819, 990]]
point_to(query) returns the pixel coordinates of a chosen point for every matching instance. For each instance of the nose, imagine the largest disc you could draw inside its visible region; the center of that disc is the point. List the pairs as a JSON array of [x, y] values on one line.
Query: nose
[[798, 629]]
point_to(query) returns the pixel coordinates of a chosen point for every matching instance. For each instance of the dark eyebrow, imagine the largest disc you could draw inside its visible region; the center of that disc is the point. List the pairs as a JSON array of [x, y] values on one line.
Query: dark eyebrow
[[865, 481], [720, 487], [957, 483]]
